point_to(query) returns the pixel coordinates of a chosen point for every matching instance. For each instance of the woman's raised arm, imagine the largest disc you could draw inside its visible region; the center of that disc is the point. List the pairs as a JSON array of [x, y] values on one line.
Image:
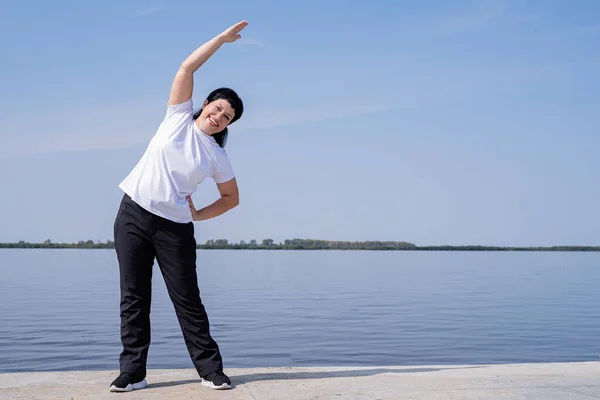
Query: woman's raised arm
[[183, 84]]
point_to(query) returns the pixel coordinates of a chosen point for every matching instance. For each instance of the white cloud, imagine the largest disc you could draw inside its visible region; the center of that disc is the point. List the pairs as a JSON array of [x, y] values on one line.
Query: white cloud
[[485, 15], [588, 29], [127, 124], [121, 125], [273, 118], [149, 10], [469, 21], [132, 123], [252, 42]]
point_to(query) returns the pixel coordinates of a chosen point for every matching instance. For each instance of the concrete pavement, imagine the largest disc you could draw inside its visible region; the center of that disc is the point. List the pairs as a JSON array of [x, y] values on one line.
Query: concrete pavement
[[572, 381]]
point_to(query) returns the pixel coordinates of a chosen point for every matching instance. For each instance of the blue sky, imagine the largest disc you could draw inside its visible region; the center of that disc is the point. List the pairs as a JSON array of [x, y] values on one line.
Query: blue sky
[[434, 122]]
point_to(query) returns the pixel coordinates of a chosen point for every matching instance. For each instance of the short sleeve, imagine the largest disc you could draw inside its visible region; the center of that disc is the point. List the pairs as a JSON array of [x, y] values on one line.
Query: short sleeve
[[223, 170], [184, 109], [177, 116]]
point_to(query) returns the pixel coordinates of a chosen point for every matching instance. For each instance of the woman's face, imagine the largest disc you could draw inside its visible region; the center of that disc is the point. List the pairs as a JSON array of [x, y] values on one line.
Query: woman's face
[[215, 116]]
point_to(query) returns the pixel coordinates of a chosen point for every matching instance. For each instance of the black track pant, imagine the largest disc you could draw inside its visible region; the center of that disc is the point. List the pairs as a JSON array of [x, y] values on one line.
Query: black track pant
[[140, 237]]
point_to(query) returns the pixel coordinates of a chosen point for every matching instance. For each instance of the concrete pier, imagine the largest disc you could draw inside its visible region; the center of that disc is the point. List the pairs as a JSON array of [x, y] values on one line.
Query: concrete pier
[[557, 381]]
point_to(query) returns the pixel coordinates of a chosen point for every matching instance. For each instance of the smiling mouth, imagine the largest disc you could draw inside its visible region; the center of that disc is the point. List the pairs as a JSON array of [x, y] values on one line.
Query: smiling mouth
[[212, 122]]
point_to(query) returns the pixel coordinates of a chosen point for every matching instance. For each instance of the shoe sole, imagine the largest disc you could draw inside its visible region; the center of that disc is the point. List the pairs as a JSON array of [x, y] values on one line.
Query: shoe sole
[[130, 387], [211, 385]]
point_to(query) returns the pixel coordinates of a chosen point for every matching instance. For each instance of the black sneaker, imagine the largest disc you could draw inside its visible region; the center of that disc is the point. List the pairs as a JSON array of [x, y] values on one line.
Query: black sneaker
[[216, 380], [128, 382]]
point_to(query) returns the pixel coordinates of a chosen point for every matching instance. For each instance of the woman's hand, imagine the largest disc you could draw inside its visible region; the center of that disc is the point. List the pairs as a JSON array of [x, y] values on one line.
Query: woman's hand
[[232, 33], [192, 208], [228, 200]]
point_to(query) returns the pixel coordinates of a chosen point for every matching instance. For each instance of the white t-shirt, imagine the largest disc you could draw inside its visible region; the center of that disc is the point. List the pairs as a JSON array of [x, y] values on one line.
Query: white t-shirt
[[177, 160]]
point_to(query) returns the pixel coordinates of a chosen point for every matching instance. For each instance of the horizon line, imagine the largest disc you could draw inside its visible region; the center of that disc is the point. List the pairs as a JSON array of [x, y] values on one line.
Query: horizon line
[[311, 243]]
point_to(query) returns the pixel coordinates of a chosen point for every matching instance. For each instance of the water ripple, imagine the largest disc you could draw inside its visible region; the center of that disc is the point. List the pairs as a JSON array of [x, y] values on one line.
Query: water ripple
[[59, 309]]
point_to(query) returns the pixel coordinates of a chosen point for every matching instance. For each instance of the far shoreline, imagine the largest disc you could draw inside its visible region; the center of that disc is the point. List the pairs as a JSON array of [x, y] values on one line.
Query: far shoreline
[[312, 245]]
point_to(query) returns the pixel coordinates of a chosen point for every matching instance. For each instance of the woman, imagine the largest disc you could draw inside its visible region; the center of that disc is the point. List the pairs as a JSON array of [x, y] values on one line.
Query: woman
[[155, 220]]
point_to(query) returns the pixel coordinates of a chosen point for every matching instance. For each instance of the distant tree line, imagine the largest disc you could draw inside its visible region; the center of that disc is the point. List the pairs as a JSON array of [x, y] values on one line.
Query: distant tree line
[[48, 244], [300, 244]]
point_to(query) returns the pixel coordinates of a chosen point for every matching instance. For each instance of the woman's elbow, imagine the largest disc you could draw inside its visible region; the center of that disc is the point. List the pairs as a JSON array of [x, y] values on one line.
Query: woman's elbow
[[233, 201]]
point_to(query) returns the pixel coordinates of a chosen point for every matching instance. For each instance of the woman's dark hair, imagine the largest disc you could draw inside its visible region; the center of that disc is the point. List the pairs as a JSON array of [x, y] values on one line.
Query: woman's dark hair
[[235, 102]]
